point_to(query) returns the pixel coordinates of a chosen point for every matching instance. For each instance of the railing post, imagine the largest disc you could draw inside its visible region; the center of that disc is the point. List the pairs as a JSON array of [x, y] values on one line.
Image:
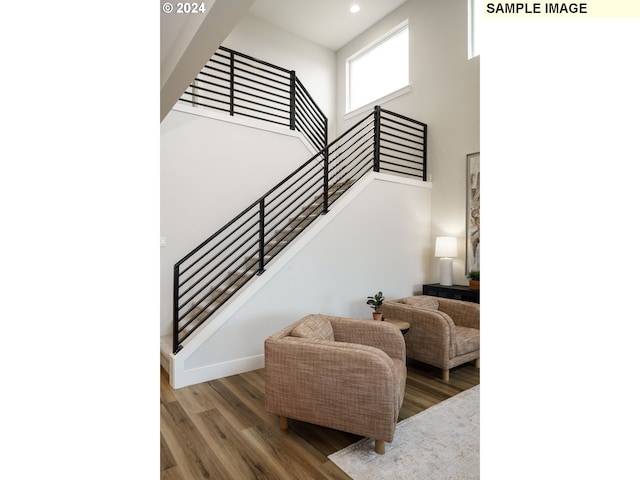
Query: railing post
[[325, 154], [292, 100], [261, 242], [232, 82], [176, 280], [424, 153], [376, 139]]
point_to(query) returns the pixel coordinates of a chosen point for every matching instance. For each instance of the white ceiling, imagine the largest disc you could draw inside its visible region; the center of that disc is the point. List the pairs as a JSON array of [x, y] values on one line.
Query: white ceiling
[[326, 22]]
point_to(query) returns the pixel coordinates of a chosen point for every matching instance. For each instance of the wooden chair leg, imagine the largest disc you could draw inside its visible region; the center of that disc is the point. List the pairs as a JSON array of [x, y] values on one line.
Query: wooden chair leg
[[445, 374], [284, 423], [379, 447]]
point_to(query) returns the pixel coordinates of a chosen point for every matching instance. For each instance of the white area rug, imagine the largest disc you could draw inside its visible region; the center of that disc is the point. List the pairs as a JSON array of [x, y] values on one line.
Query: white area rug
[[440, 443]]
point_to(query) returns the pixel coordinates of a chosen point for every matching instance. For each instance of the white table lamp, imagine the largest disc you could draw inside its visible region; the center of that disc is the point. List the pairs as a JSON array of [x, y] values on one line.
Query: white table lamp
[[446, 249]]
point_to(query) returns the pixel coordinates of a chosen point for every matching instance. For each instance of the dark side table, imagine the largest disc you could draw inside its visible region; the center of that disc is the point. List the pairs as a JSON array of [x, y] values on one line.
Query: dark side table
[[456, 292], [401, 324]]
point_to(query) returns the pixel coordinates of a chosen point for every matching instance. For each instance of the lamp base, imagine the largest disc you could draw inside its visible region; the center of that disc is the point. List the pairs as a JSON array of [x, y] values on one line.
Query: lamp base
[[446, 271]]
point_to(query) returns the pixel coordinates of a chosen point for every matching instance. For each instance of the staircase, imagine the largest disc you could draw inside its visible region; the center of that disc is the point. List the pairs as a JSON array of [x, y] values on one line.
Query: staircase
[[213, 273], [250, 267]]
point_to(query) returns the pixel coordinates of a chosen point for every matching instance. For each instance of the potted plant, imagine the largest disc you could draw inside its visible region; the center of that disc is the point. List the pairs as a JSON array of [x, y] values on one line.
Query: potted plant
[[474, 279], [375, 302]]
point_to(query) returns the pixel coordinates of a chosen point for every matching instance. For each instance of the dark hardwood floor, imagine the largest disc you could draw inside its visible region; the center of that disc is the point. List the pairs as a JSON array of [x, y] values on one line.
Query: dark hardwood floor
[[220, 430]]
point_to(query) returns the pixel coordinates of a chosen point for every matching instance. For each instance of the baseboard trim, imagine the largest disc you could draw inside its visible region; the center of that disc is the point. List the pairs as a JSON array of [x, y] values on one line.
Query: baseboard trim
[[186, 377]]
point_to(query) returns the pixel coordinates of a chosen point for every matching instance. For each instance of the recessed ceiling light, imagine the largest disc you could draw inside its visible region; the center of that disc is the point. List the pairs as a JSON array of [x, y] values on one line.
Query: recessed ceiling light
[[355, 8]]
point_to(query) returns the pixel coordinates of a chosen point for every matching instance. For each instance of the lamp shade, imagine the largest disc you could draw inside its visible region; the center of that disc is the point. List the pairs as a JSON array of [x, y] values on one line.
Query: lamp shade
[[446, 247]]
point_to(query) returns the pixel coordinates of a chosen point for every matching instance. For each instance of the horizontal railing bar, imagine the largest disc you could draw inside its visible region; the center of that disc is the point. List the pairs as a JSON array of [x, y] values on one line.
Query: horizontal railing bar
[[275, 84], [356, 158], [250, 67], [385, 134], [205, 105], [309, 127], [276, 211], [313, 135], [345, 148], [266, 92], [208, 284], [400, 172], [311, 108], [352, 153], [393, 123], [398, 130], [249, 229], [211, 271], [243, 55], [399, 158], [278, 200], [202, 76], [302, 88], [304, 110], [399, 165], [212, 64], [401, 151], [289, 209], [353, 128], [199, 89], [270, 103], [398, 115], [404, 148], [310, 123], [223, 92]]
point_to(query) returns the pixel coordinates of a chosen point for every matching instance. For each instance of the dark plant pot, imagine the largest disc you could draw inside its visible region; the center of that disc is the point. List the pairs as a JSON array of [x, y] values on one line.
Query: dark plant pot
[[474, 284], [377, 316]]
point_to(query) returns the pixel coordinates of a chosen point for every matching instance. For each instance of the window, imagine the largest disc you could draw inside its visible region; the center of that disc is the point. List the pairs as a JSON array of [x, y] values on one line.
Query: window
[[379, 70], [474, 14]]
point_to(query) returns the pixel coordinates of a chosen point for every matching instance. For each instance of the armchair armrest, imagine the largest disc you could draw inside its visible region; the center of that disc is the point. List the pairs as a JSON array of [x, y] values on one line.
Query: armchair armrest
[[372, 333], [418, 315], [465, 314], [432, 327]]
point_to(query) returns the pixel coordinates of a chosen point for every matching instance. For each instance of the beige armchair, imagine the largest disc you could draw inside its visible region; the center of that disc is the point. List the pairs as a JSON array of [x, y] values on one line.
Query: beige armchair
[[444, 333], [341, 373]]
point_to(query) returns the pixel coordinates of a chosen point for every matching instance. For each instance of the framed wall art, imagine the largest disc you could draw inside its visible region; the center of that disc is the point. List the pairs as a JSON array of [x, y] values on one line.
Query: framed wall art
[[473, 213]]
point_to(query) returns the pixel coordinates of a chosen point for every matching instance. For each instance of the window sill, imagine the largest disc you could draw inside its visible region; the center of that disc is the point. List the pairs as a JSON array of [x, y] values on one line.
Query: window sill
[[382, 100]]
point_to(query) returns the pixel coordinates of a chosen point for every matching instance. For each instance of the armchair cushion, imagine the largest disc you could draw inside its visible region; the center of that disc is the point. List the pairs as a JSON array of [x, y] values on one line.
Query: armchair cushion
[[422, 301], [316, 327], [467, 340]]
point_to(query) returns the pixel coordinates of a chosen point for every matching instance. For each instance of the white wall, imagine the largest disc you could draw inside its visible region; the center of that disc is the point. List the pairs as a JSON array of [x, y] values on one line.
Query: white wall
[[445, 94], [202, 162], [314, 65], [380, 241]]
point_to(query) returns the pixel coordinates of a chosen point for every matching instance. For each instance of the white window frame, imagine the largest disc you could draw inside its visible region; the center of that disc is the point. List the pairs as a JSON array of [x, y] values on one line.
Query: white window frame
[[474, 17], [349, 112]]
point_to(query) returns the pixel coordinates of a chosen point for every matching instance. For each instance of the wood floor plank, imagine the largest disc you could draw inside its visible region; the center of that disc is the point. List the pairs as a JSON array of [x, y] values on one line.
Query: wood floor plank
[[220, 429], [173, 473], [196, 399], [228, 445], [166, 458], [284, 453], [188, 447]]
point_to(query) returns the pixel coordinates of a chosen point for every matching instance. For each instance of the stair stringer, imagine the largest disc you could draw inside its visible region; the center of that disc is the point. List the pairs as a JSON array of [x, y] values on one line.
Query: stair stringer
[[181, 375]]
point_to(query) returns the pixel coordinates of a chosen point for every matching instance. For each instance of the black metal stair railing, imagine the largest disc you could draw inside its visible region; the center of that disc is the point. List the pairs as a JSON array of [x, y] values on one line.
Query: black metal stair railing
[[239, 84], [221, 265]]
